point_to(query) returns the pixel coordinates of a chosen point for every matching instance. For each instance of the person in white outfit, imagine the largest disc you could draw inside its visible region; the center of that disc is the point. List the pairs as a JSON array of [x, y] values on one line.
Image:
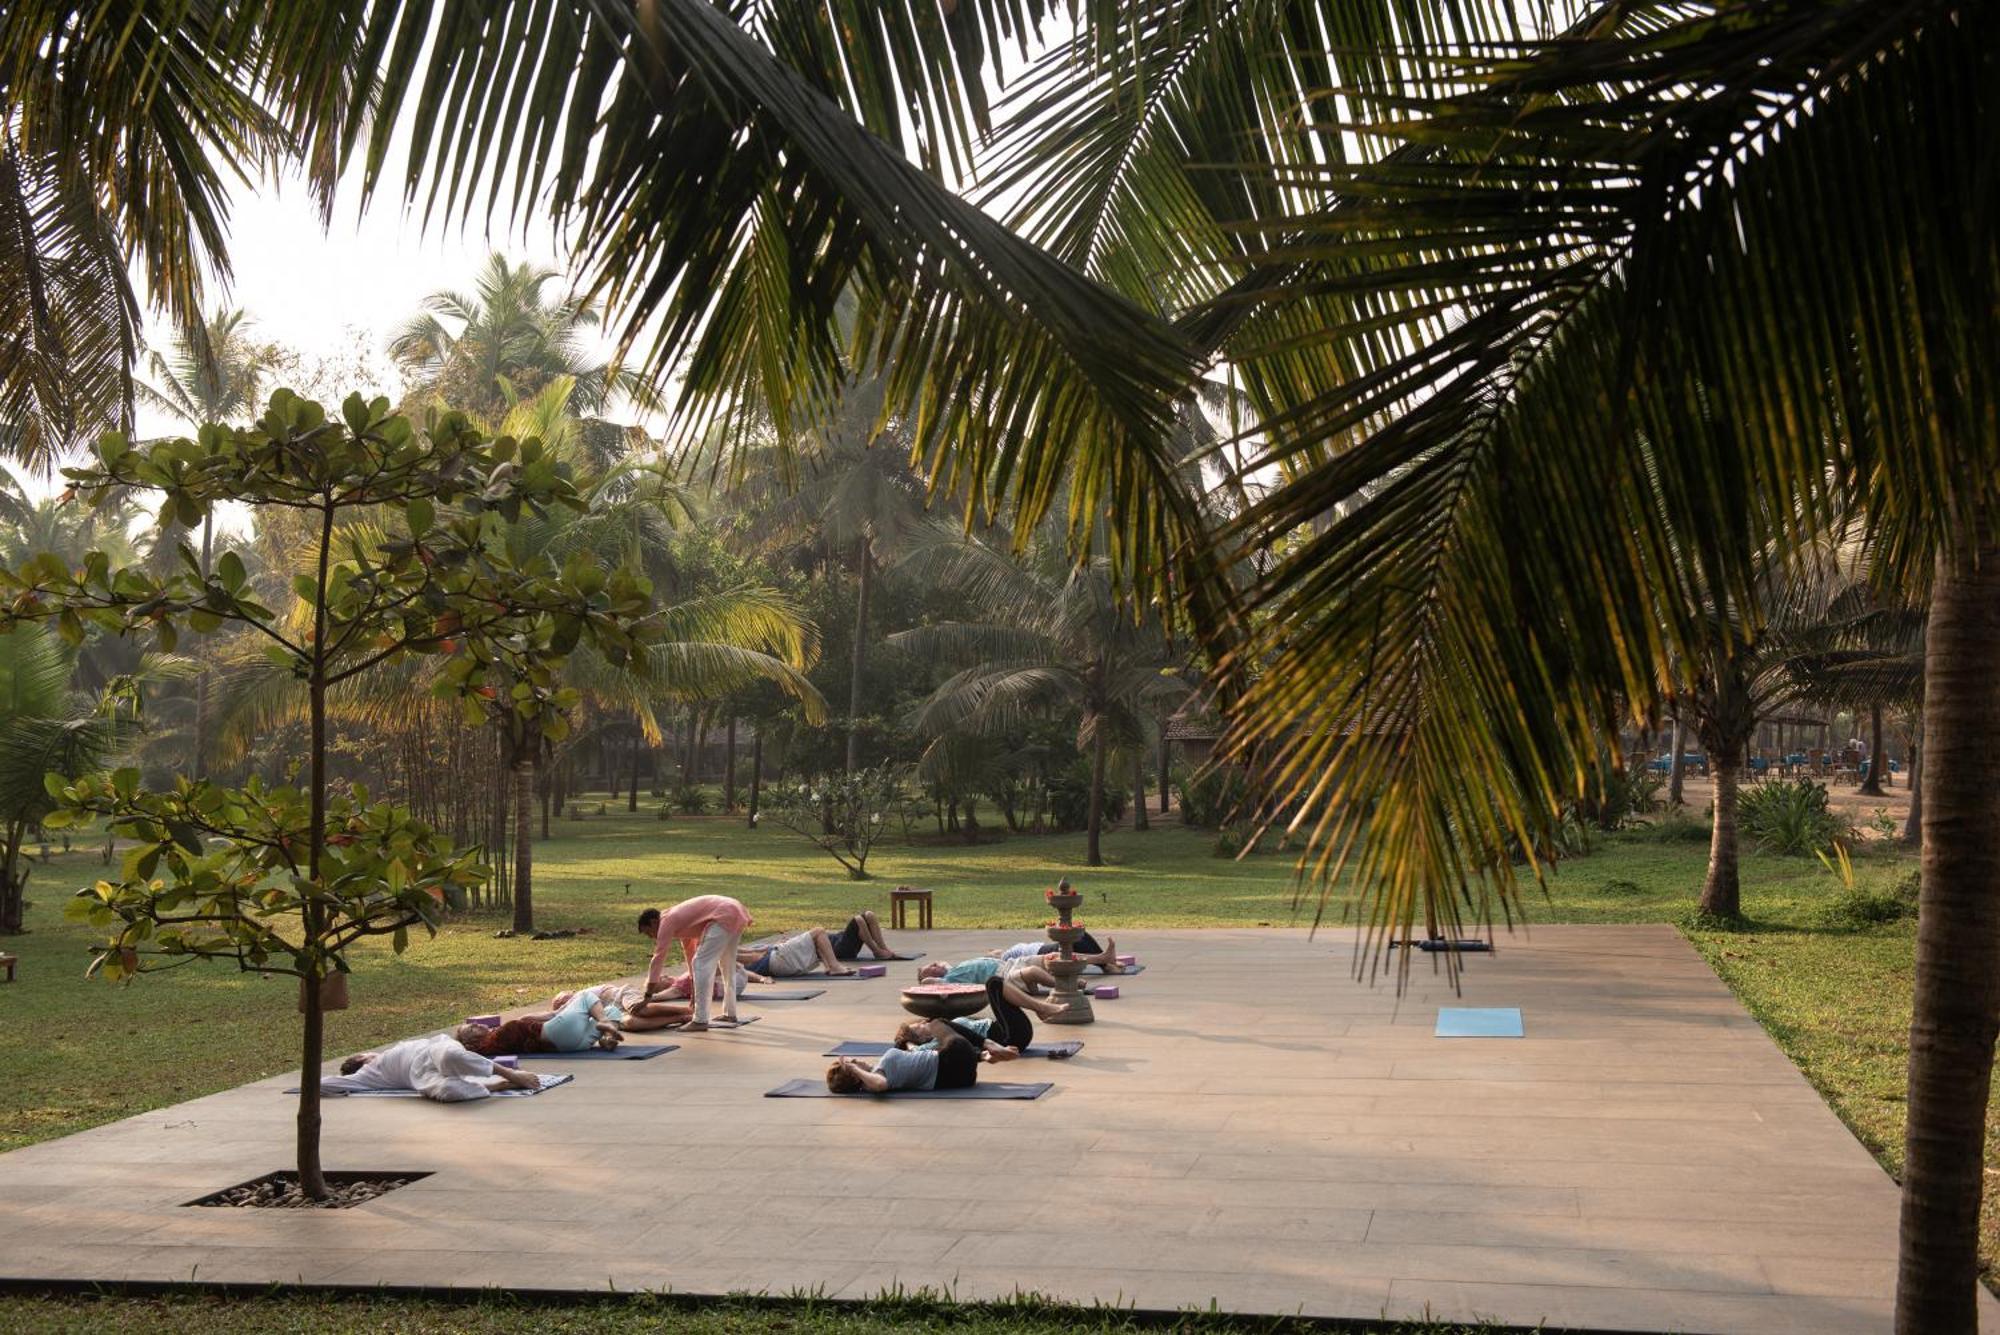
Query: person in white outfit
[[438, 1067]]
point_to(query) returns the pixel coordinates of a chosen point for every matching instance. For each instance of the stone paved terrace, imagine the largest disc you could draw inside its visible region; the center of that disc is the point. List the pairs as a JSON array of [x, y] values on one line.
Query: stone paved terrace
[[1247, 1126]]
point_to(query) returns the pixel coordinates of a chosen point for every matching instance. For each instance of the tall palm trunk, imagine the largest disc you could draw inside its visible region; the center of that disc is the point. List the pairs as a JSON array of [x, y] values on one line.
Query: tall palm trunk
[[729, 765], [632, 800], [1094, 857], [1873, 786], [860, 659], [524, 845], [201, 678], [1722, 891], [756, 775], [1913, 824], [1139, 789], [1676, 773], [1955, 1011], [1165, 767]]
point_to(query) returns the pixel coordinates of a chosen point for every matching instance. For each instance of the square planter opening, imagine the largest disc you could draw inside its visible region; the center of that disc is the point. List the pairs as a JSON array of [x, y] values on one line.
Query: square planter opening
[[280, 1191]]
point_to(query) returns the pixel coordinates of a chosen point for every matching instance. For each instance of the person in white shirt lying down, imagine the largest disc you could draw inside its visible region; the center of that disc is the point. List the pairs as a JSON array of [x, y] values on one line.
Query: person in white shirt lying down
[[438, 1067], [1085, 949]]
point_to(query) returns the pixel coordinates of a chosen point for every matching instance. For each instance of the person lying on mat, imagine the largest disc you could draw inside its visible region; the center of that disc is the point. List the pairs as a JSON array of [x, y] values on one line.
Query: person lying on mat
[[1008, 1028], [1023, 971], [634, 1013], [925, 1035], [952, 1064], [1085, 949], [681, 986], [709, 930], [585, 1020], [817, 948], [437, 1067]]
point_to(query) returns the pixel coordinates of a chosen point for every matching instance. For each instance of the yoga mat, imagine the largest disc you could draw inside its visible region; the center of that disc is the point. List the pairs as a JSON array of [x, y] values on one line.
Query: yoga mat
[[1122, 973], [1053, 1051], [548, 1082], [716, 1023], [625, 1052], [816, 1089], [803, 994], [1479, 1022]]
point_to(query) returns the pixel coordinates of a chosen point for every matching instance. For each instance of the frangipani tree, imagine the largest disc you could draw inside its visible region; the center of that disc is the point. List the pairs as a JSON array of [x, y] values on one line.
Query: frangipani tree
[[284, 880]]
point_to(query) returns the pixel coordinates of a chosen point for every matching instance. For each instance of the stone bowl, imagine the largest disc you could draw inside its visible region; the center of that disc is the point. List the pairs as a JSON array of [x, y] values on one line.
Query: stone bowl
[[944, 1001]]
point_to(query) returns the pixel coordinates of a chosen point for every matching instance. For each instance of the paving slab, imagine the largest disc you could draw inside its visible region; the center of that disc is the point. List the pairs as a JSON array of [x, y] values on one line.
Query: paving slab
[[1249, 1126]]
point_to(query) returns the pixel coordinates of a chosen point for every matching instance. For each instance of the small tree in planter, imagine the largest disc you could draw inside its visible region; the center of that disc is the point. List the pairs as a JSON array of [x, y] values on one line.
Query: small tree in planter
[[285, 880], [841, 814]]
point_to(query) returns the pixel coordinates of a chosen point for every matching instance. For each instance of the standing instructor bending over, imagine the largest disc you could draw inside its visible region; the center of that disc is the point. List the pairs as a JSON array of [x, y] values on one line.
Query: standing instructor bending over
[[709, 929]]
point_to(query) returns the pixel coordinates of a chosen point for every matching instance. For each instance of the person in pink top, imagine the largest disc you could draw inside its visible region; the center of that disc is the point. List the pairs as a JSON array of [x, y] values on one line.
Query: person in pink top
[[709, 929]]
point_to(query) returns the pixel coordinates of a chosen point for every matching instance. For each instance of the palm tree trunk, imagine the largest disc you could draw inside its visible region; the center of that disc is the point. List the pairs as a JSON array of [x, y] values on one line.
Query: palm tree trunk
[[1094, 857], [729, 765], [632, 800], [756, 774], [860, 659], [524, 847], [1674, 797], [201, 678], [1139, 788], [1722, 891], [1165, 768], [1913, 824], [1956, 1004], [1873, 787]]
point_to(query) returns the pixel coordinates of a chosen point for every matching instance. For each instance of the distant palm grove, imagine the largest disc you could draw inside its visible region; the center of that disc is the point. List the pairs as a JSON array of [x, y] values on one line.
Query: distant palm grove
[[1427, 411]]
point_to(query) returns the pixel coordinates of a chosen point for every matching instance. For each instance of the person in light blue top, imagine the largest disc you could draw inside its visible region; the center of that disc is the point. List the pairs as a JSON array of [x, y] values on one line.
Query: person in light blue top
[[587, 1020]]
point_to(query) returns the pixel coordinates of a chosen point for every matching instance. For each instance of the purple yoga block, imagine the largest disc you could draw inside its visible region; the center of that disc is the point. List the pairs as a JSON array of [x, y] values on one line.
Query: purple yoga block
[[490, 1021], [872, 970], [507, 1061], [1105, 992], [1127, 961]]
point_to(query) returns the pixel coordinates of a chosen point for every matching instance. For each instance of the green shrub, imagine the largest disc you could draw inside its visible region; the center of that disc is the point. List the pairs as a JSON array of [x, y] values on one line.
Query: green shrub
[[1622, 887], [1855, 906], [1213, 797], [690, 800], [1792, 818], [1069, 800]]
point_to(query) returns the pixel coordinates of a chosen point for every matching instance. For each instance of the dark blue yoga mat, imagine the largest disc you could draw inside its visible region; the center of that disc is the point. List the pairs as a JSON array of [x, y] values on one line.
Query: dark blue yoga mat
[[625, 1052], [816, 1089], [1053, 1051]]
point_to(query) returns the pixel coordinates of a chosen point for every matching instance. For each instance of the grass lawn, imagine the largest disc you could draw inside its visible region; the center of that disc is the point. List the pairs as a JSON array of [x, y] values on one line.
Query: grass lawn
[[314, 1314], [73, 1055]]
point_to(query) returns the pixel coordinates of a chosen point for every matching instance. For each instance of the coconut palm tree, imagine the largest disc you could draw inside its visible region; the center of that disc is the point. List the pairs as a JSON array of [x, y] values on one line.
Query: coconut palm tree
[[1054, 640], [502, 343]]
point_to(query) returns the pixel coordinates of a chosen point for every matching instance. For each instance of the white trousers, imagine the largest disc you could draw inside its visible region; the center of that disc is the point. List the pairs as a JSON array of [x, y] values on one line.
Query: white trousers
[[715, 956]]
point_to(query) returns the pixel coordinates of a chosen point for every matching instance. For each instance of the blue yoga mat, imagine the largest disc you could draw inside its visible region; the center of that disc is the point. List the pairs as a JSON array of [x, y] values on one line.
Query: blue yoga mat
[[1479, 1022], [816, 1089], [1053, 1051], [625, 1052]]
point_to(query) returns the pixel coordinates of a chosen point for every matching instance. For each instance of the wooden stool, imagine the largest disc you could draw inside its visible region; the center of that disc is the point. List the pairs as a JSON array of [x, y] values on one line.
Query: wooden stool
[[899, 901], [8, 962]]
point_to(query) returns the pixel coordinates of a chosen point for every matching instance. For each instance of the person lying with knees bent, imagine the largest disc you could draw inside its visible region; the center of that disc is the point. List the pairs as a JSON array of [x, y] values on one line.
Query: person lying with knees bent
[[585, 1019], [952, 1064], [1085, 949], [437, 1067], [1002, 1036], [1024, 972], [817, 948]]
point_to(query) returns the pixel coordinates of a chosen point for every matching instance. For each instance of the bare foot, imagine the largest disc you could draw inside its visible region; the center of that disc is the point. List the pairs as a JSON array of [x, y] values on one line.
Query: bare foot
[[841, 973], [694, 1027], [1003, 1054], [1110, 962]]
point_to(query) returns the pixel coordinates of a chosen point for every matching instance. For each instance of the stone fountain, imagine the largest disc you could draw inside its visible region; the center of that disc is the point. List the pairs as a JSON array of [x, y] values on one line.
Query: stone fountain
[[1064, 964]]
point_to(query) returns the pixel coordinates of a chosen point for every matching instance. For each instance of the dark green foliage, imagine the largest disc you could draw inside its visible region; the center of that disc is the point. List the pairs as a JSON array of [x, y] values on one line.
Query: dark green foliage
[[1789, 816], [1069, 800], [1213, 797]]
